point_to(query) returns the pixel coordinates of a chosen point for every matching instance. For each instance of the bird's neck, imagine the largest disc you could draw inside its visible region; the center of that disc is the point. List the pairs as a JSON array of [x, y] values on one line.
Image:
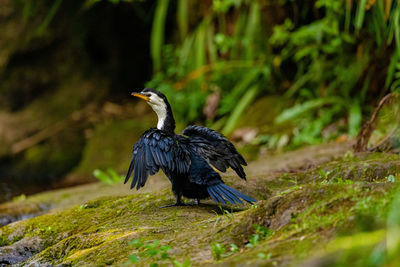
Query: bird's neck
[[166, 121]]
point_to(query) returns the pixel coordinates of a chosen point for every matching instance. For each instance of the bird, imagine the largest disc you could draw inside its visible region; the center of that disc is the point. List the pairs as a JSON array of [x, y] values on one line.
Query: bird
[[188, 160]]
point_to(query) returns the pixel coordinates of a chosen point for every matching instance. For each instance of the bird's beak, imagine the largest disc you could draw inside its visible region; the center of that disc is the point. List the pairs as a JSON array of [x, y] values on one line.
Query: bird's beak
[[141, 96]]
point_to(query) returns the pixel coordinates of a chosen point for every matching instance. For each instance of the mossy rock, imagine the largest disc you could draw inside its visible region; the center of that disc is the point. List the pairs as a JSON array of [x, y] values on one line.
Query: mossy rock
[[305, 218]]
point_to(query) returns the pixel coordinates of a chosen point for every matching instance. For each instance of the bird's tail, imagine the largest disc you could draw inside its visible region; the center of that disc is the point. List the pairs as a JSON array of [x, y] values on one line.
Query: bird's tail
[[221, 193]]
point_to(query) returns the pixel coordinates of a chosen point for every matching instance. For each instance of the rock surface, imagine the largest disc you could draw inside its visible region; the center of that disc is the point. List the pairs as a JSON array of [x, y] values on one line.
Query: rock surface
[[315, 205]]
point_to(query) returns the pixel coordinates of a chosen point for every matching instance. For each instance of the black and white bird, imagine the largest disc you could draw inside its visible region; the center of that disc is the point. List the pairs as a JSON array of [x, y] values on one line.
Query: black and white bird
[[185, 159]]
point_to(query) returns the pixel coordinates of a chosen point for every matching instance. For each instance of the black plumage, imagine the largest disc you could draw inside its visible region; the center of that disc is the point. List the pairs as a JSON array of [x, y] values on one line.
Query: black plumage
[[185, 159]]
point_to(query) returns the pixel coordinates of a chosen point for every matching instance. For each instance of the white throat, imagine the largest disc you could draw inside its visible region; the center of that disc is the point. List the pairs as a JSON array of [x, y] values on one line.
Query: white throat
[[161, 119], [161, 110]]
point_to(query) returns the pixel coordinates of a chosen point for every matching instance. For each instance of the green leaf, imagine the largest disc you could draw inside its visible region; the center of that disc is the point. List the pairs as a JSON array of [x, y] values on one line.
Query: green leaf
[[114, 176], [164, 255], [234, 248], [152, 252], [137, 243], [186, 263], [355, 118], [102, 176], [49, 17], [251, 30], [391, 178], [165, 248], [199, 45], [239, 109], [359, 19], [396, 27], [299, 109], [229, 102], [157, 33], [182, 18], [134, 259]]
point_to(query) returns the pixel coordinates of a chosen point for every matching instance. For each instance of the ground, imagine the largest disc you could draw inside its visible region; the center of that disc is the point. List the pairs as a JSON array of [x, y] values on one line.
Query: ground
[[319, 206]]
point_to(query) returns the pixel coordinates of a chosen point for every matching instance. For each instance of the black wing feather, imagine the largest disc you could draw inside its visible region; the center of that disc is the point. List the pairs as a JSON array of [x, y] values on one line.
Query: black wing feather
[[153, 151], [216, 149]]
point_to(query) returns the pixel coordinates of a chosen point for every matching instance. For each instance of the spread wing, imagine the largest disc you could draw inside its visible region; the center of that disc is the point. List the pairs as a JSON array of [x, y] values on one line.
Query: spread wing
[[153, 151], [216, 149]]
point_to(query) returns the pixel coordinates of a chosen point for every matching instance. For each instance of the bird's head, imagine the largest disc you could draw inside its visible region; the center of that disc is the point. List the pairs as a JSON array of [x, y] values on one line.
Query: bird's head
[[154, 98], [159, 103]]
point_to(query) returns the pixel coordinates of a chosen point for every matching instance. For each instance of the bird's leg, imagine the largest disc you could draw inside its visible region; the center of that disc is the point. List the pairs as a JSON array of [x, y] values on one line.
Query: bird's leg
[[178, 202]]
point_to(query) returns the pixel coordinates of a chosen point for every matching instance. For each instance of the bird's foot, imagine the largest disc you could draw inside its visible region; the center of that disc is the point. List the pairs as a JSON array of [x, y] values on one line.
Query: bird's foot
[[196, 202], [177, 204]]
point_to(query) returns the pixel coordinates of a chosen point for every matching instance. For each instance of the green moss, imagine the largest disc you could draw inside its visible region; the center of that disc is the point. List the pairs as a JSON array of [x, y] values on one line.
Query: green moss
[[3, 241], [100, 230], [374, 167], [317, 214], [303, 210]]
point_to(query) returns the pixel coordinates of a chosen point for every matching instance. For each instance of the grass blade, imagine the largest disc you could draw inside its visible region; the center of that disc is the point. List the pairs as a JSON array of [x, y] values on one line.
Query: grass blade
[[359, 19], [392, 67], [396, 28], [230, 100], [182, 18], [355, 118], [349, 4], [49, 17], [246, 100], [157, 33], [251, 30], [301, 108], [388, 4]]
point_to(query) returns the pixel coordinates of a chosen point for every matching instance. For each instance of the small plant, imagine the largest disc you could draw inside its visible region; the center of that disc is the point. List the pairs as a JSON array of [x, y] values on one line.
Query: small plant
[[156, 253], [253, 241], [391, 178], [217, 251], [333, 180], [254, 206], [324, 175], [264, 256], [228, 214], [3, 241], [110, 176], [234, 248], [261, 233], [344, 181]]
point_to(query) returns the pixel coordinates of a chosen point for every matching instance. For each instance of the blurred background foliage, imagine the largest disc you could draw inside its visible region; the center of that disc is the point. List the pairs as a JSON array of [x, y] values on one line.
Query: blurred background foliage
[[331, 59], [270, 74], [276, 74]]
